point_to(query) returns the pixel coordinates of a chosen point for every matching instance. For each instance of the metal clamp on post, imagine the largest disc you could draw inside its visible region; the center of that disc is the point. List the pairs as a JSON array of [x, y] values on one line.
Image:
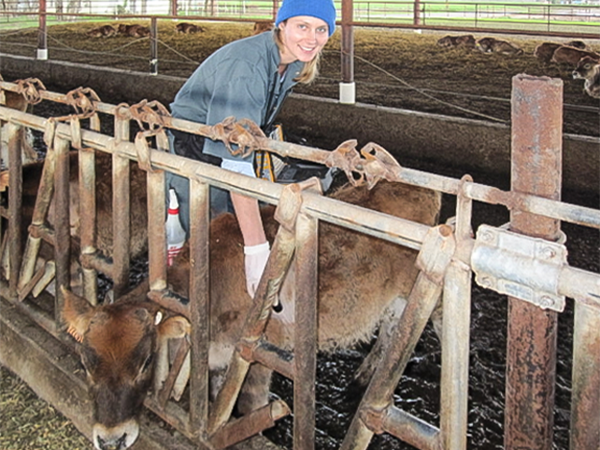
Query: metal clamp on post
[[520, 266]]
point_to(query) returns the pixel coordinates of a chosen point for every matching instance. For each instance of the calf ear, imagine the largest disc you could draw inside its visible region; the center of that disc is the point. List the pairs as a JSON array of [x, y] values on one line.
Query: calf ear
[[174, 328], [77, 313]]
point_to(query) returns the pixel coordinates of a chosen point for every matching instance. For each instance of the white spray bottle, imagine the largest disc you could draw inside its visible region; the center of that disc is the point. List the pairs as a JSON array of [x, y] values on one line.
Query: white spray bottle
[[175, 232]]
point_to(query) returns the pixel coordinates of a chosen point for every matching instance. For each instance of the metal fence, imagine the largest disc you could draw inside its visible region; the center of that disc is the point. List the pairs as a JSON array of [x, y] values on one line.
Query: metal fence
[[573, 19], [532, 270]]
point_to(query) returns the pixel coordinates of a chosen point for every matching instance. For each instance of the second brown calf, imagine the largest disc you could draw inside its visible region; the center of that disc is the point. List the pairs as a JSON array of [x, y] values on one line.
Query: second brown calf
[[571, 56]]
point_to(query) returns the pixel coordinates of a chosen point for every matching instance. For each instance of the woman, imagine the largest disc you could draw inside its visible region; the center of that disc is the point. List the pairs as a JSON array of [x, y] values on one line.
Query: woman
[[249, 79]]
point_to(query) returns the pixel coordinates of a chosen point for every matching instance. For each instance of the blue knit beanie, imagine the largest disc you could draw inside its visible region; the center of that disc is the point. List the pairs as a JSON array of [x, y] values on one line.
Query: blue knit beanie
[[321, 9]]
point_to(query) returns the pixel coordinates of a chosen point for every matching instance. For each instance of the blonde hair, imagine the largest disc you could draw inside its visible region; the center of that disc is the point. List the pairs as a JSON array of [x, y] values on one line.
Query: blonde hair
[[310, 70]]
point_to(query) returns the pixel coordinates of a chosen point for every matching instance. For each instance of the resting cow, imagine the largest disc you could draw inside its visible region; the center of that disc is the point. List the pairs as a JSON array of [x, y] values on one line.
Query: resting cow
[[262, 26], [362, 279], [134, 30], [493, 45], [571, 55], [589, 70], [467, 41], [103, 31], [545, 50], [188, 28]]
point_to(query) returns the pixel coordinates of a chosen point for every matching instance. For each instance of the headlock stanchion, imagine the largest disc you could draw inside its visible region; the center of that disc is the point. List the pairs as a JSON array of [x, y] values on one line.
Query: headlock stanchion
[[532, 270]]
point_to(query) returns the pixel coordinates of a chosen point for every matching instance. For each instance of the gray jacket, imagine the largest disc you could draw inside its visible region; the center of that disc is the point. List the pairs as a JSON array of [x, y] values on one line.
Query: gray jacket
[[241, 80]]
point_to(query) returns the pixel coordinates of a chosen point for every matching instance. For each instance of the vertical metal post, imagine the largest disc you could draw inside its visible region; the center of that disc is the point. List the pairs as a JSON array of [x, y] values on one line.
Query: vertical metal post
[[305, 341], [62, 230], [157, 239], [174, 7], [121, 208], [417, 13], [456, 333], [121, 223], [88, 222], [15, 203], [199, 306], [531, 344], [585, 397], [347, 86], [154, 46], [42, 50]]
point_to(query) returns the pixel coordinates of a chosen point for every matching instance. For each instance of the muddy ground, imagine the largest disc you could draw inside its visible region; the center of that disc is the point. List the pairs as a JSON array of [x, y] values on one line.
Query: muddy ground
[[396, 68]]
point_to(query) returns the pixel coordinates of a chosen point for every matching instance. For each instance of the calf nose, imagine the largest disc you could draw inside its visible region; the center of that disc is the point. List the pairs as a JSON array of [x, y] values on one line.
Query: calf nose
[[120, 437], [118, 444]]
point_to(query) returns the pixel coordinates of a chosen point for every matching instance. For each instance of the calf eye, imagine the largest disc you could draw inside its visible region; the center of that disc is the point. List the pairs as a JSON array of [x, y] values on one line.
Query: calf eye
[[148, 363]]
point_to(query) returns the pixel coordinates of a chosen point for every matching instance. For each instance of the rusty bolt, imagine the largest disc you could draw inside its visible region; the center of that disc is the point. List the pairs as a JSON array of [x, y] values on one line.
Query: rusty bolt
[[548, 253], [546, 302], [487, 282], [487, 236]]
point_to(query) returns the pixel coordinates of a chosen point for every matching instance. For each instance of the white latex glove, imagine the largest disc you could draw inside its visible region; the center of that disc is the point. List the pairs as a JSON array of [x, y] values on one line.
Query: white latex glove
[[255, 261]]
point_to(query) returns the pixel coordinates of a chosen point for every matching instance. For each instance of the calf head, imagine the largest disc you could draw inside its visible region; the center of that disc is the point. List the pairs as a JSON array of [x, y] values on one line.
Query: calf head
[[585, 67], [118, 346]]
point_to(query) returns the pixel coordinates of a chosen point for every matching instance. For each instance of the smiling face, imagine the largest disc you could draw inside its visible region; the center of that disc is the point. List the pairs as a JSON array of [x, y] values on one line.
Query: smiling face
[[303, 38]]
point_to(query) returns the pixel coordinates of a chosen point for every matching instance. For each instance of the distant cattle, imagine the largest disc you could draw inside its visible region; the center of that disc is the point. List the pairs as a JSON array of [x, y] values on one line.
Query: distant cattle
[[493, 45], [188, 28], [362, 281], [571, 55], [578, 44], [589, 70], [467, 41], [262, 26], [545, 50], [134, 30], [103, 31]]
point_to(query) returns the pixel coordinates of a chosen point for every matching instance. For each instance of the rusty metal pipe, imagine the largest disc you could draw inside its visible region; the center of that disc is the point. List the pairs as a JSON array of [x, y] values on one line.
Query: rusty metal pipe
[[274, 358], [87, 219], [305, 332], [531, 344], [15, 201], [454, 406], [62, 229], [121, 224], [572, 213], [585, 395], [433, 260], [411, 429], [199, 306], [247, 426], [157, 240], [277, 266]]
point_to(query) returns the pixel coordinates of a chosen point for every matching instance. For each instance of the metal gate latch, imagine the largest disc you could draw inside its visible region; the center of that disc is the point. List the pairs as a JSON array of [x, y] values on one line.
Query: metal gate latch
[[519, 266]]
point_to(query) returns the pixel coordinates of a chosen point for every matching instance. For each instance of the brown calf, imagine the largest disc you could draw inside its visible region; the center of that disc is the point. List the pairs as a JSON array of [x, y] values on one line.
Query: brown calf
[[262, 26], [545, 50], [362, 280], [134, 30], [467, 41], [589, 70], [118, 346], [493, 45], [103, 31], [571, 55], [188, 28], [578, 44]]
